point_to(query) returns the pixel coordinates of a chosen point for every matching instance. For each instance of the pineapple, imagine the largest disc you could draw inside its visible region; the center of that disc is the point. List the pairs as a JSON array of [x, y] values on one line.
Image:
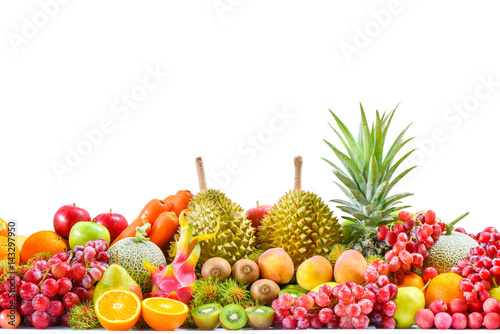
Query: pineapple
[[368, 181]]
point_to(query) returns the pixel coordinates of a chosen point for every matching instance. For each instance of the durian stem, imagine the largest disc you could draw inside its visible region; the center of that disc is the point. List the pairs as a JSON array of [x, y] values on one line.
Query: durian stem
[[201, 174], [298, 173]]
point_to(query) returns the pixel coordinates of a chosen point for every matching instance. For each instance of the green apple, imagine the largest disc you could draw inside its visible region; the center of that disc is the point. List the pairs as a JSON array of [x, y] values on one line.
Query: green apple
[[82, 232]]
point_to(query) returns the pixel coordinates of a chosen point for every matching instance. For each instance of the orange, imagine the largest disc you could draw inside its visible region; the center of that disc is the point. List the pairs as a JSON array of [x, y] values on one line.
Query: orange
[[164, 314], [43, 241], [413, 279], [118, 310], [444, 286], [8, 248], [4, 228]]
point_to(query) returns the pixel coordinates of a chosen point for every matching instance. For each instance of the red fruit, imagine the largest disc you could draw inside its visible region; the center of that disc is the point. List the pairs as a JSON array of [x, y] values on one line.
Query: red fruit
[[390, 238], [475, 320], [255, 215], [438, 306], [389, 308], [388, 323], [300, 313], [404, 215], [326, 315], [114, 222], [66, 217], [458, 306], [346, 323], [361, 322], [459, 321], [424, 318], [289, 322], [491, 305], [315, 323], [40, 319], [334, 323], [430, 217], [366, 305], [442, 320], [429, 273], [353, 310], [381, 232], [491, 320], [304, 324]]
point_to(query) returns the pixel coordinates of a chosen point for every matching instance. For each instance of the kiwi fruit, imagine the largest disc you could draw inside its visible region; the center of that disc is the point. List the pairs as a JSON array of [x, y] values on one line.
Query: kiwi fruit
[[207, 316], [260, 317], [264, 290], [233, 316], [294, 293], [245, 271], [217, 268], [296, 287]]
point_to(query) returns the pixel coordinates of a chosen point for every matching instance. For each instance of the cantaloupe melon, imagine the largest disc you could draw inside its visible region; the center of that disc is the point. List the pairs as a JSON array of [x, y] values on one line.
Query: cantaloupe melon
[[448, 250], [131, 252]]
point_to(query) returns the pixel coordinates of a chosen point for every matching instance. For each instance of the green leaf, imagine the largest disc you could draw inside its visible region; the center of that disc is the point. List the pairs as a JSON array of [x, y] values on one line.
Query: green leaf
[[346, 203], [346, 192], [366, 140], [378, 141], [353, 145], [350, 166], [397, 178], [359, 197], [379, 194], [392, 199], [373, 177], [348, 209], [398, 208], [391, 171]]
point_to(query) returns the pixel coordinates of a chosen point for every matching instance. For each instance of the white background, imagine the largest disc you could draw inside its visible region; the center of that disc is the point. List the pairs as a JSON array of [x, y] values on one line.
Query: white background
[[233, 65]]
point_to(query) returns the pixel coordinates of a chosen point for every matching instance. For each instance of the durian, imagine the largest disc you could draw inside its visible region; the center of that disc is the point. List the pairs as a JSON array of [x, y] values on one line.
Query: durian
[[236, 237], [300, 223]]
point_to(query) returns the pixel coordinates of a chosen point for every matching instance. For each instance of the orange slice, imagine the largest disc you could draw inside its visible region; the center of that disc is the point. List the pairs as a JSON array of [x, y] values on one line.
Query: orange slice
[[164, 314], [118, 310]]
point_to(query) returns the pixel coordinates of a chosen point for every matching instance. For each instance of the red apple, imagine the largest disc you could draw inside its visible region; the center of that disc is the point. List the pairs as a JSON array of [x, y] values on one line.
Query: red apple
[[257, 214], [66, 217], [114, 222]]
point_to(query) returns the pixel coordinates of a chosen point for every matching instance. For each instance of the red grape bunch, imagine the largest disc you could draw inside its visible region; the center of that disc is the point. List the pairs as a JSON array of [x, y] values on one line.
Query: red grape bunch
[[410, 239], [52, 287], [481, 271]]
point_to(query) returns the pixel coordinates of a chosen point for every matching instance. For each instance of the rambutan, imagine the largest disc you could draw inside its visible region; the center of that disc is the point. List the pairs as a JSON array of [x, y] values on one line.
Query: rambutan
[[234, 292], [37, 257], [335, 253], [83, 316]]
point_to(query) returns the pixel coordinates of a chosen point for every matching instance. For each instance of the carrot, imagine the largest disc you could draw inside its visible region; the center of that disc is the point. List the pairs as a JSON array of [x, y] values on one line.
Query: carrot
[[180, 201], [148, 215], [164, 228]]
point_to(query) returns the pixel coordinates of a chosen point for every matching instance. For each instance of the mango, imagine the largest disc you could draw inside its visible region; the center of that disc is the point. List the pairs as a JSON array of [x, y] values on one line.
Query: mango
[[313, 272], [350, 267], [275, 264]]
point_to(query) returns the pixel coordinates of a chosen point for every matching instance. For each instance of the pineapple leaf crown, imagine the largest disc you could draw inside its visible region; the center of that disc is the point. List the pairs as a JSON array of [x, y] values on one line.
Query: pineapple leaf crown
[[369, 178]]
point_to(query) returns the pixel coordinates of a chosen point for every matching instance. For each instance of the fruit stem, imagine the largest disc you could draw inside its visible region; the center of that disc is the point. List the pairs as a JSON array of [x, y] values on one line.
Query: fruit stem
[[44, 276], [451, 226], [140, 234], [298, 172], [201, 174], [425, 286], [110, 210]]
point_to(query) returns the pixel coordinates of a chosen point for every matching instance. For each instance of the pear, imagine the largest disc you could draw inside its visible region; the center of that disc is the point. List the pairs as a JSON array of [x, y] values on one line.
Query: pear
[[408, 301], [116, 278]]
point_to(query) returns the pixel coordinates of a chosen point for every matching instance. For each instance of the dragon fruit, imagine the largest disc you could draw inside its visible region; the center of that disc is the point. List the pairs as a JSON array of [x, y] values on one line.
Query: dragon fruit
[[176, 281]]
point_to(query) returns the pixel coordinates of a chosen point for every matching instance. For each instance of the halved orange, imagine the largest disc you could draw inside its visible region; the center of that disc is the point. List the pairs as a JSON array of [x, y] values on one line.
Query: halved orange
[[164, 314], [118, 310]]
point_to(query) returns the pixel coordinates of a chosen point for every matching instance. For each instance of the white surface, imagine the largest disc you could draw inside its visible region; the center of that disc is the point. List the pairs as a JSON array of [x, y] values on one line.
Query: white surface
[[227, 77]]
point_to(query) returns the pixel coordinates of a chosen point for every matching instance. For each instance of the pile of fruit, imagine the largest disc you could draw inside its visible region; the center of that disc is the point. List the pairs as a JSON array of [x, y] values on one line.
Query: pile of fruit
[[200, 261]]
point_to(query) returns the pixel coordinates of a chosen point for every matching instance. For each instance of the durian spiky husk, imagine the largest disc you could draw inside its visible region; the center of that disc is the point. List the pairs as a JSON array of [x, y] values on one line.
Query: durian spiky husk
[[236, 237], [302, 224]]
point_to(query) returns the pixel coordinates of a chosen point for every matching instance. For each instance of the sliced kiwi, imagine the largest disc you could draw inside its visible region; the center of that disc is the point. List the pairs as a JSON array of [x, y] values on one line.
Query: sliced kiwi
[[217, 268], [296, 287], [294, 293], [233, 316], [264, 290], [207, 316], [260, 317], [246, 271]]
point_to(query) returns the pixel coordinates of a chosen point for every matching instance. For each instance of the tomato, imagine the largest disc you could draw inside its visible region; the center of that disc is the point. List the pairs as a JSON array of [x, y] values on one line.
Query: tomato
[[4, 228], [9, 319]]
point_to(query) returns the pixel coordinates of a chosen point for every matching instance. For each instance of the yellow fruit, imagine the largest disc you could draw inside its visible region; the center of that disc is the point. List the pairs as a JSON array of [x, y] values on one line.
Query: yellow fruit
[[332, 284], [7, 248], [164, 314], [314, 271], [118, 310], [19, 240]]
